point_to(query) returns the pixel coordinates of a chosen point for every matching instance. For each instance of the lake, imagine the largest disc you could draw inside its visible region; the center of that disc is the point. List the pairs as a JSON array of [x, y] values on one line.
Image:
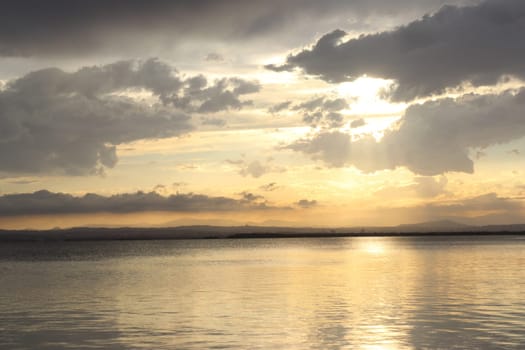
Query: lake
[[465, 292]]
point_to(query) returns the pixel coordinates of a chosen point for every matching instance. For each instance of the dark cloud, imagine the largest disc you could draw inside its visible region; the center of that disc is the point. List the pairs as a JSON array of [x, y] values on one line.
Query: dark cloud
[[214, 57], [305, 203], [198, 95], [45, 202], [319, 111], [357, 123], [322, 102], [213, 121], [479, 44], [430, 139], [53, 121], [272, 186], [58, 27], [159, 187], [279, 107], [332, 147], [249, 197]]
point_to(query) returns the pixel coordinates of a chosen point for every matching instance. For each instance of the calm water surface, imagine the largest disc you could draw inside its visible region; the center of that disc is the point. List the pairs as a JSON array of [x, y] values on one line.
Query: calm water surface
[[330, 293]]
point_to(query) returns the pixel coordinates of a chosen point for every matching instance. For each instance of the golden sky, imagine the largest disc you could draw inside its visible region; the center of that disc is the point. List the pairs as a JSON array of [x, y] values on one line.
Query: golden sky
[[289, 113]]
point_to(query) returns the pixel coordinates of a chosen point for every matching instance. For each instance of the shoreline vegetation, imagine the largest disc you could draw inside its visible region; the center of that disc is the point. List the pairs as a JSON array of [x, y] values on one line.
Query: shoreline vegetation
[[442, 228]]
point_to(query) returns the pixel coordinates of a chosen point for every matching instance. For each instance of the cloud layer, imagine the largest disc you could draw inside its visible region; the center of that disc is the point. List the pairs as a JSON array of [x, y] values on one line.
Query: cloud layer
[[53, 121], [484, 209], [48, 203], [478, 44], [62, 27], [430, 139]]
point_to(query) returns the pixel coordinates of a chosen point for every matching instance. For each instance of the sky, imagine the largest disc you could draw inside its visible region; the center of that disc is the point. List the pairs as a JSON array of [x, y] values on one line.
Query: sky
[[289, 113]]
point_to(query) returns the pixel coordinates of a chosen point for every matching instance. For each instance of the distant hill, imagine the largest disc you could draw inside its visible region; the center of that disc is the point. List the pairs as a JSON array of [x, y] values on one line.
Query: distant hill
[[446, 227], [437, 226]]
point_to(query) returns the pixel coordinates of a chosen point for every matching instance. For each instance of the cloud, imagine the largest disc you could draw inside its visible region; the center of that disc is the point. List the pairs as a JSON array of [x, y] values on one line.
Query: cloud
[[484, 209], [479, 44], [249, 197], [422, 187], [223, 95], [319, 111], [53, 121], [58, 27], [332, 147], [427, 186], [179, 184], [279, 107], [213, 121], [22, 182], [196, 94], [357, 123], [214, 57], [44, 202], [272, 186], [485, 202], [430, 139], [305, 203], [255, 168], [323, 103]]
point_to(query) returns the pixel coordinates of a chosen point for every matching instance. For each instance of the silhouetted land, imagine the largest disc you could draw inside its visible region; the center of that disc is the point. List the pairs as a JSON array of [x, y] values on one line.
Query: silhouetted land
[[239, 232]]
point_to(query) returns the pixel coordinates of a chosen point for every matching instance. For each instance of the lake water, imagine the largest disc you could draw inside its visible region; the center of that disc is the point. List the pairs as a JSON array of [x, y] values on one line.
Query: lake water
[[326, 293]]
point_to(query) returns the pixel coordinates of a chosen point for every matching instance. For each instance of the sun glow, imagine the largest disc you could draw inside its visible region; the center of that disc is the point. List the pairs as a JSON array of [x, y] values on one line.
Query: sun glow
[[365, 96], [373, 247]]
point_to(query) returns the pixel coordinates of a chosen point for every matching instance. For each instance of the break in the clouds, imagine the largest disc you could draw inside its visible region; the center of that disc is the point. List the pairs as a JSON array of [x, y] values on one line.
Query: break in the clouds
[[62, 27], [479, 44], [48, 203], [52, 121], [430, 139]]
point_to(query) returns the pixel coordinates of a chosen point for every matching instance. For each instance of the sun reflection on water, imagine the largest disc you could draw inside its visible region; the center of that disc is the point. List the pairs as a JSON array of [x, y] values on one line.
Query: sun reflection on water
[[373, 247], [341, 293]]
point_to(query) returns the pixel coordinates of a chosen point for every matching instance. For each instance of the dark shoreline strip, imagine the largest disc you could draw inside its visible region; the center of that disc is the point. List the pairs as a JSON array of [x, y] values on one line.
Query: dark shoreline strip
[[167, 234]]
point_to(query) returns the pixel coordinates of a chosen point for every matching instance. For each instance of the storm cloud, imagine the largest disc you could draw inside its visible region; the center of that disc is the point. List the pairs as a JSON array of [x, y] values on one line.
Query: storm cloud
[[44, 203], [430, 139], [52, 121], [478, 44], [63, 27]]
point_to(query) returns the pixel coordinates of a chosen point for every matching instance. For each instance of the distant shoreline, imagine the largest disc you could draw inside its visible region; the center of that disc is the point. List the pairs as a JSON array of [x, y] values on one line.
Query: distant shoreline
[[246, 232]]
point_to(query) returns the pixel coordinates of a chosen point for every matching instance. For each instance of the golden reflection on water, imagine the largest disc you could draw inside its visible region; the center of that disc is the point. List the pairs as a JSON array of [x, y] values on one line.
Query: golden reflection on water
[[373, 246], [363, 293], [306, 295]]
